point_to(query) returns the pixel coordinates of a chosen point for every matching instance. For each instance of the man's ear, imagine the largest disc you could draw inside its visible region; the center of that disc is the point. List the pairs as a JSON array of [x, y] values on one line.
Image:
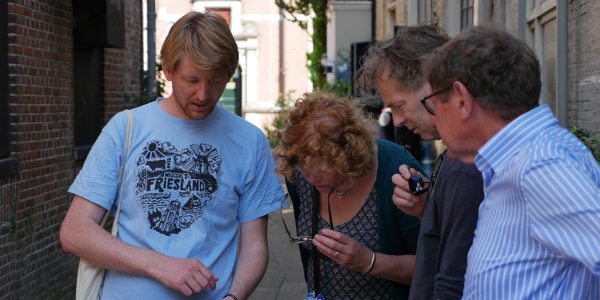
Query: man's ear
[[465, 101], [168, 73]]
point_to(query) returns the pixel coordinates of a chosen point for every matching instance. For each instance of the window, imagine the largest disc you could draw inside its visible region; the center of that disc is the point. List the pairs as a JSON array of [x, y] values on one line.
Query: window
[[466, 14], [224, 12], [390, 16], [418, 12], [424, 11], [541, 36]]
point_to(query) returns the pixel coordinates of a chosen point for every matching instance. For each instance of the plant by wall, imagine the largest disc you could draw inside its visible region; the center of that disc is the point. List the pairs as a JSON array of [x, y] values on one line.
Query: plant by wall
[[592, 141], [284, 105], [160, 87], [298, 9], [339, 87]]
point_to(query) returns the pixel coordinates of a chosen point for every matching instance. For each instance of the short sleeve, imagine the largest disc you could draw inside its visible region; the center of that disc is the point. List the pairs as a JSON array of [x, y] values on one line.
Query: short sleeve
[[97, 179], [263, 191]]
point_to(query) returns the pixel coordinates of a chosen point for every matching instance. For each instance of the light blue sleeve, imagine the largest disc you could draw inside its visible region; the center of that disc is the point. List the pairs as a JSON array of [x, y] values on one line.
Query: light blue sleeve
[[97, 179], [563, 202], [263, 192]]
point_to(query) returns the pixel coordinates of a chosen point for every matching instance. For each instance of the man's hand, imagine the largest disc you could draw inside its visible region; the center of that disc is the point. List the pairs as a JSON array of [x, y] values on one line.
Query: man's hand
[[186, 275], [406, 201]]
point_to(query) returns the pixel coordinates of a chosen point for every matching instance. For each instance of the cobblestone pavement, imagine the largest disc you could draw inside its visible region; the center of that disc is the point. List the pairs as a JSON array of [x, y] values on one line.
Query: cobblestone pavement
[[284, 279]]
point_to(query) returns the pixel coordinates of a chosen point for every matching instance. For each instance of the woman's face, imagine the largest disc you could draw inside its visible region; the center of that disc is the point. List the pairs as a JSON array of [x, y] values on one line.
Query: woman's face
[[321, 176]]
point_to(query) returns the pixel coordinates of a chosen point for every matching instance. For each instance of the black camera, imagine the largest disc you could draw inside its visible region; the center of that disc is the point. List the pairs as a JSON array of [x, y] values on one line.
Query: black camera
[[417, 185]]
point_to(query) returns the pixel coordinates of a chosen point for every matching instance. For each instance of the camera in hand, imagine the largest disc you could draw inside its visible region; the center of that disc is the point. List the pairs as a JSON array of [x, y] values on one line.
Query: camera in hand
[[417, 185]]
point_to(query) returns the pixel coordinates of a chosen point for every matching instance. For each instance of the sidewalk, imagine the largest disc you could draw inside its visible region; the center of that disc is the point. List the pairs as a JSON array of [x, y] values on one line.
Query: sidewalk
[[284, 279]]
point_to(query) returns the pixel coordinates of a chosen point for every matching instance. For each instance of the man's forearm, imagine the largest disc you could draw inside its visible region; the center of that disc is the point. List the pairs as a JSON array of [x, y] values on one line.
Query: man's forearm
[[253, 258], [81, 235]]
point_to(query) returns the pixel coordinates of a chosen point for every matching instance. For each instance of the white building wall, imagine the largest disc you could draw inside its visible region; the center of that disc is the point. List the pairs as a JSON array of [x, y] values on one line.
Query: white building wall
[[350, 23]]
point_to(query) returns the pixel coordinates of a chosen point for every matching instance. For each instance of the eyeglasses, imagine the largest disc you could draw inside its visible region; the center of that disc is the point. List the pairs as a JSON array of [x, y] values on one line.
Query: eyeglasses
[[303, 238], [292, 239], [428, 104]]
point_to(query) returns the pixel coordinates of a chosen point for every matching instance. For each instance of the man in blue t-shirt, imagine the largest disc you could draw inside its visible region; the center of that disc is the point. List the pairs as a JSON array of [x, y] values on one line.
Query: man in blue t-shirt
[[194, 174], [448, 210]]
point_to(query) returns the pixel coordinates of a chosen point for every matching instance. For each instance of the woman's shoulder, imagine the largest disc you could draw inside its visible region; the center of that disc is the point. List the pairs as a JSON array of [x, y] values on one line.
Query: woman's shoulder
[[392, 154]]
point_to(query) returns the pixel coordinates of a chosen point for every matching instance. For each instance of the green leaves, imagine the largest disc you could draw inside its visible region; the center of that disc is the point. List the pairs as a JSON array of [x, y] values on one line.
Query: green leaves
[[591, 140]]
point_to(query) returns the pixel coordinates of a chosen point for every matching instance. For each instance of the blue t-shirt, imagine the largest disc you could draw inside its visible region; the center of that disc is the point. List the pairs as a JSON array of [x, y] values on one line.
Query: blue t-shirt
[[188, 185]]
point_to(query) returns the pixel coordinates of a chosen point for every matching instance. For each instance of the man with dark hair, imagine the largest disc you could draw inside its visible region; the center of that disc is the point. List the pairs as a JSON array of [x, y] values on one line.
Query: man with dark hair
[[198, 183], [449, 209], [538, 232]]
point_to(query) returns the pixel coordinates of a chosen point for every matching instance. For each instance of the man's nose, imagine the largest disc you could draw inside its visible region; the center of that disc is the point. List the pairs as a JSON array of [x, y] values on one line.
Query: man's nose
[[399, 120], [202, 90]]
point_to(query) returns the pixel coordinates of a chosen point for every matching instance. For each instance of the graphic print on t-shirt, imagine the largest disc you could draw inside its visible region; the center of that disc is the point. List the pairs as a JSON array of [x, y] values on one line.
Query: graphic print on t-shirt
[[174, 186]]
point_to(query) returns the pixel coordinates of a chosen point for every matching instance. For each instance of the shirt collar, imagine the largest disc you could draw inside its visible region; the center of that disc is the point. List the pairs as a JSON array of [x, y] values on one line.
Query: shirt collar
[[510, 139]]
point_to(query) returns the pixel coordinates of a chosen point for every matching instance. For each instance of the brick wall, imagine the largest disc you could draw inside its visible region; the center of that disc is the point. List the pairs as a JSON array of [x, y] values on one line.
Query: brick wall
[[34, 200], [584, 64], [123, 67]]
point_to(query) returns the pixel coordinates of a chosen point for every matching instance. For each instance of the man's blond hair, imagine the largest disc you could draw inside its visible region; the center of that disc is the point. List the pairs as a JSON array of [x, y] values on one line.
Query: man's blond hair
[[206, 39]]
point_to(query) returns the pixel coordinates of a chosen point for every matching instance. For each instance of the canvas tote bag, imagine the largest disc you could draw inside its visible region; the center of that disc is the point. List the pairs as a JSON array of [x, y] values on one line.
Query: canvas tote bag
[[90, 278]]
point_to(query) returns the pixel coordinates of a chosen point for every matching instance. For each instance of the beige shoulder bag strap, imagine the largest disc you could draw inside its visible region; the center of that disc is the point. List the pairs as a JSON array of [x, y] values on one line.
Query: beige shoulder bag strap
[[90, 278]]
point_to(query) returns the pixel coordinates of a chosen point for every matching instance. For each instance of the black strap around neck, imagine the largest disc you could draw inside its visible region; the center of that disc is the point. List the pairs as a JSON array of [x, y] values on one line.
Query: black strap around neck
[[316, 255]]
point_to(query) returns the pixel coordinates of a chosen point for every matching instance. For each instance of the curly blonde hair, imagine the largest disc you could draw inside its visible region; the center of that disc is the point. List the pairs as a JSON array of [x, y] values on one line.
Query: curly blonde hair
[[324, 128]]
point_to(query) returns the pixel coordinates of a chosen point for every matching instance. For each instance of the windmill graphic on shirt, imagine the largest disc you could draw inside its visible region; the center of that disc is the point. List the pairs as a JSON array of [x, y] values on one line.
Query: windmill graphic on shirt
[[174, 186]]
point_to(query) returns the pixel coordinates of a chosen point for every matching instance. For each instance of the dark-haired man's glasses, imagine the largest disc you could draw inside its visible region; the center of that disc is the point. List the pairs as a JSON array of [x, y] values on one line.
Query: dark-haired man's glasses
[[426, 101], [292, 239]]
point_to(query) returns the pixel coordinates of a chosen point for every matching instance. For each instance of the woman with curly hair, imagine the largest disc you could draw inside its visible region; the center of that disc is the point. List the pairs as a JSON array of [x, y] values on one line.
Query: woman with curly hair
[[354, 244]]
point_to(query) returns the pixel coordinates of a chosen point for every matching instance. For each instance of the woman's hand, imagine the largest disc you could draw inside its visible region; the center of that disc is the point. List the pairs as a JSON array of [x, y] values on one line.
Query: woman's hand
[[344, 250]]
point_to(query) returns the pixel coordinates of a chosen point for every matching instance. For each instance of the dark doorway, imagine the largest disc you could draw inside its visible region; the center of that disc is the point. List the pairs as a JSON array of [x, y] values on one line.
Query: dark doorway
[[232, 95]]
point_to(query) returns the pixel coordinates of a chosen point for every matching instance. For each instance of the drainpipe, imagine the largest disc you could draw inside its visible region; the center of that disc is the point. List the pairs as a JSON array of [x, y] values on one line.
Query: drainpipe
[[281, 52], [373, 19], [562, 87], [151, 31]]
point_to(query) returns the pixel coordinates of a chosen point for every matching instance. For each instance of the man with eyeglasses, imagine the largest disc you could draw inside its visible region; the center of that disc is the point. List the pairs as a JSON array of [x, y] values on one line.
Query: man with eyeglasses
[[448, 210], [538, 233]]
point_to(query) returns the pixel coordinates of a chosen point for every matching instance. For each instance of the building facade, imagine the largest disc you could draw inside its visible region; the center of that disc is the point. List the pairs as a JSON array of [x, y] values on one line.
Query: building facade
[[562, 33], [66, 66]]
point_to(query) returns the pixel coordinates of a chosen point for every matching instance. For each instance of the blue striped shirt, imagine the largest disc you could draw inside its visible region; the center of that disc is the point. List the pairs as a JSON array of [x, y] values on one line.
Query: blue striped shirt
[[538, 232]]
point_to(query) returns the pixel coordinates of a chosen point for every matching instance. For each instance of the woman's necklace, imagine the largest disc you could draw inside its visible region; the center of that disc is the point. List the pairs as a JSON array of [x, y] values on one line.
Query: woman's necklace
[[340, 194]]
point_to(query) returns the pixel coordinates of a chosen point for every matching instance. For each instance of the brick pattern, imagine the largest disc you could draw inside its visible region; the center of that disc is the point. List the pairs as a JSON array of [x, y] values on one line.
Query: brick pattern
[[584, 64], [33, 201], [8, 197], [122, 67]]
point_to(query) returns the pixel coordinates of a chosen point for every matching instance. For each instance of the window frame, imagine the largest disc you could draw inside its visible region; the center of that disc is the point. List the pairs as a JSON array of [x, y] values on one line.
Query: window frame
[[539, 14], [467, 13]]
